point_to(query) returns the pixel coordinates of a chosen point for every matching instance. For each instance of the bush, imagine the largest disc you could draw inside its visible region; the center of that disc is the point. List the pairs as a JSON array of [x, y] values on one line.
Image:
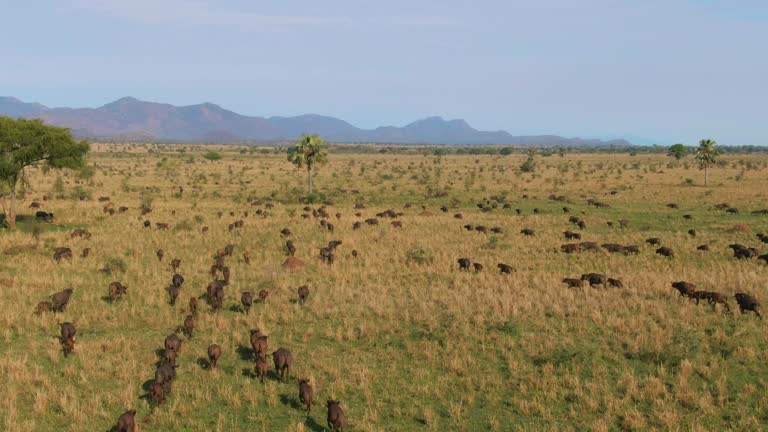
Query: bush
[[315, 197], [212, 156], [114, 263], [528, 166], [418, 255], [80, 194], [183, 226]]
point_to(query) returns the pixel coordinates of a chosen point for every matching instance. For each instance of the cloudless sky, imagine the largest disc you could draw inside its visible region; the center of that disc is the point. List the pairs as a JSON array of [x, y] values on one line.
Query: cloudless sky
[[656, 71]]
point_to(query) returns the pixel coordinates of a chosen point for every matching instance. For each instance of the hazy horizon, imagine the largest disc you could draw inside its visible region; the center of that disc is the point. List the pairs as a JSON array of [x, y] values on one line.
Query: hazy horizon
[[656, 72]]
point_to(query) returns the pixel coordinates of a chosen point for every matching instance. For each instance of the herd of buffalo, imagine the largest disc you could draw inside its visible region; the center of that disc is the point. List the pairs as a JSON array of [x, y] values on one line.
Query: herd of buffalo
[[282, 358]]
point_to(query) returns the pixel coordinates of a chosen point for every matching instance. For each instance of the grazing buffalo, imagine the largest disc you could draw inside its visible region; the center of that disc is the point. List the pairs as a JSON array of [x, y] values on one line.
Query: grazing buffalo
[[283, 361], [175, 264], [686, 289], [692, 232], [613, 247], [173, 292], [160, 254], [43, 307], [214, 353], [748, 303], [193, 306], [569, 235], [127, 422], [44, 216], [574, 283], [157, 393], [61, 253], [246, 299], [570, 248], [68, 330], [290, 248], [477, 266], [189, 325], [464, 263], [594, 279], [654, 241], [67, 346], [616, 283], [665, 251], [527, 232], [336, 419], [261, 366], [303, 294], [172, 342], [505, 268], [259, 342], [116, 291], [702, 247], [60, 300], [306, 393]]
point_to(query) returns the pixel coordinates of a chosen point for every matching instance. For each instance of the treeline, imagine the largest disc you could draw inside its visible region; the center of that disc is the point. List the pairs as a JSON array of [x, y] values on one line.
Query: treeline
[[507, 150]]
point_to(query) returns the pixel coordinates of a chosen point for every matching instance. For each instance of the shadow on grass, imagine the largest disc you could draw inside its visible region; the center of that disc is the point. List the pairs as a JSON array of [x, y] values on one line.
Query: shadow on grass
[[291, 402], [203, 363], [246, 353]]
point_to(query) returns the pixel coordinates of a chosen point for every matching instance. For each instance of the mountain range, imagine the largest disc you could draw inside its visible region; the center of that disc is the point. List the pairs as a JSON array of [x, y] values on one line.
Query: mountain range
[[132, 119]]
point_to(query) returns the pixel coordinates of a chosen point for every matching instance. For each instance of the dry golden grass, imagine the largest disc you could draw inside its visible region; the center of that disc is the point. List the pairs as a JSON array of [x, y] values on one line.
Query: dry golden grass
[[419, 347]]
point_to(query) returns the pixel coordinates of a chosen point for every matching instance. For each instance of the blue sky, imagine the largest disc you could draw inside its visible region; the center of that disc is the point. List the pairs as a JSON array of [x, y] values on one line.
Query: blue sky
[[654, 70]]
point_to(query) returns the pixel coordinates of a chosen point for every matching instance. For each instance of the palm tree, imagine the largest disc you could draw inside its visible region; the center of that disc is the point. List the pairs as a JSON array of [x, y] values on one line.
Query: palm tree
[[706, 155], [308, 151]]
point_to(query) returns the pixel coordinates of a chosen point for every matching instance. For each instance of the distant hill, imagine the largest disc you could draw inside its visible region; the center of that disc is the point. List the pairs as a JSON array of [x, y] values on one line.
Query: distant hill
[[129, 118]]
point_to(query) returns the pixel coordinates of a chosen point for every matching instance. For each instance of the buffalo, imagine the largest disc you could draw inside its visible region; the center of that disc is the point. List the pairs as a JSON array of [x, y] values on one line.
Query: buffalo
[[214, 353], [336, 419], [283, 361]]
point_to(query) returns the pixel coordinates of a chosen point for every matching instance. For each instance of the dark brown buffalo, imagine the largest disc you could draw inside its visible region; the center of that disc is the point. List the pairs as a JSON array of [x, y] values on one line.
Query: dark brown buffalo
[[569, 235], [85, 253], [116, 291], [594, 279], [692, 232], [336, 419], [157, 393], [702, 247], [173, 342], [290, 248], [303, 292], [214, 353], [160, 254], [505, 268], [193, 306], [68, 346], [527, 232], [665, 251], [263, 294], [686, 289], [62, 253], [68, 330], [246, 299], [283, 361], [127, 422], [477, 266], [175, 264], [43, 307], [259, 342], [464, 264], [147, 224], [574, 283], [655, 241], [613, 247], [589, 246], [616, 283], [170, 356], [60, 300], [748, 303], [306, 393], [261, 366], [570, 248], [173, 292], [189, 325]]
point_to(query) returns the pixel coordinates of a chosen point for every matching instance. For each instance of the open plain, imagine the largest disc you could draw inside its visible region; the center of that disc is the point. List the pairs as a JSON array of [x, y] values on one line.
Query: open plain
[[398, 334]]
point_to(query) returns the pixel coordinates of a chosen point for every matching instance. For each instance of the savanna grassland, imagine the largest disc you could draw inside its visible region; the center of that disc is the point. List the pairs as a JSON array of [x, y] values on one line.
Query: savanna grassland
[[398, 334]]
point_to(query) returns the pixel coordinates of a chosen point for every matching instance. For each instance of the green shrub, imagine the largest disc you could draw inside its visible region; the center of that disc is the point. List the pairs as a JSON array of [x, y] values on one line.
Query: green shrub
[[418, 255], [212, 156]]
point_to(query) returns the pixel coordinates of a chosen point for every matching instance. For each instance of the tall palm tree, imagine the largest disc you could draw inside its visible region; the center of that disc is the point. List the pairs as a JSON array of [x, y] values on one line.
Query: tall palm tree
[[706, 155], [309, 150]]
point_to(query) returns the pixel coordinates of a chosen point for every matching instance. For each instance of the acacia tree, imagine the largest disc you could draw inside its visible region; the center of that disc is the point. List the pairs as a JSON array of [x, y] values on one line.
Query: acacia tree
[[25, 143], [706, 155], [309, 151], [677, 151]]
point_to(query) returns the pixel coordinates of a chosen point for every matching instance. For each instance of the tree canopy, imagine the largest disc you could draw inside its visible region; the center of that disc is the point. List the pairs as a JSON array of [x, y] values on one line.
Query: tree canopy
[[677, 151], [309, 151], [24, 143], [706, 155]]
